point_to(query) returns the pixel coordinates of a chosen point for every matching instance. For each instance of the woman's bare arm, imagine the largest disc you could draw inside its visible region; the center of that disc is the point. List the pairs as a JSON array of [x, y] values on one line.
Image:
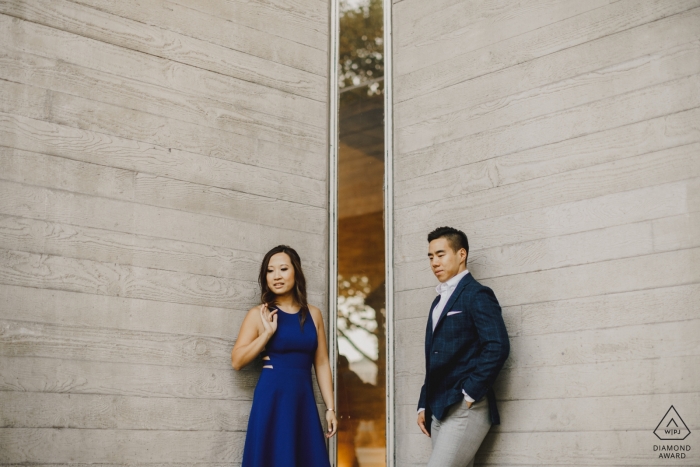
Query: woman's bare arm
[[323, 370], [255, 332]]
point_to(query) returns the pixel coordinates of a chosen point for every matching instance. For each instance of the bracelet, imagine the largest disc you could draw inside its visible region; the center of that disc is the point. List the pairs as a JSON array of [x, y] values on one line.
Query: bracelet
[[332, 410]]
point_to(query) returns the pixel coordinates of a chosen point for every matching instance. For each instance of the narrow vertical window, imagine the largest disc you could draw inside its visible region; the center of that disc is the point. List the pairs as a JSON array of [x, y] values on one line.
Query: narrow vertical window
[[361, 291]]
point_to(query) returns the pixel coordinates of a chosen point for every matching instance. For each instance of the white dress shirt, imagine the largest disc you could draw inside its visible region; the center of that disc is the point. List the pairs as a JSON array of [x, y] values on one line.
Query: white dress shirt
[[445, 289]]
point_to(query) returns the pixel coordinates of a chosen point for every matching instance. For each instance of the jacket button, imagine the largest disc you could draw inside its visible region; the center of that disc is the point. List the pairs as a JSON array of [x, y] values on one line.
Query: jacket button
[[436, 351]]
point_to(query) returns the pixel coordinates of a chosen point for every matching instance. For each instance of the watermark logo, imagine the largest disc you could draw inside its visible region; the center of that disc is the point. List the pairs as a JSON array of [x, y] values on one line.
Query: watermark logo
[[671, 427]]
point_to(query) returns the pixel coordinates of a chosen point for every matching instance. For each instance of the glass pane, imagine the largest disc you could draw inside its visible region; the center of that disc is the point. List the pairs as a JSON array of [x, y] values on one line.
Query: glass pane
[[361, 297]]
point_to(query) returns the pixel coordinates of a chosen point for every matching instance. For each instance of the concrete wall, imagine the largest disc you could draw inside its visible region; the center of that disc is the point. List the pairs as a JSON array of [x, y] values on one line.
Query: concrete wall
[[150, 153], [564, 138]]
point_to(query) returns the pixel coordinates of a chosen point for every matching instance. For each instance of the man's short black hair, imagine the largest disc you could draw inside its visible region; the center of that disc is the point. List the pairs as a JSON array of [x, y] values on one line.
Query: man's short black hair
[[456, 238]]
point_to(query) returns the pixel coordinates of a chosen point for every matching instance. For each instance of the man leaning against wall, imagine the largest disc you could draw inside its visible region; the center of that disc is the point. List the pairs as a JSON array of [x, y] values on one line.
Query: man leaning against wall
[[466, 345]]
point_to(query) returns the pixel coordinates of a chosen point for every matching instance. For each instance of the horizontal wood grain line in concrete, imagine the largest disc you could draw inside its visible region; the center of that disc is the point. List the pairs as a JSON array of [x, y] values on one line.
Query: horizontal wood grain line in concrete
[[412, 10], [149, 221], [86, 146], [47, 445], [617, 242], [602, 83], [67, 110], [611, 311], [56, 172], [81, 343], [637, 205], [608, 311], [67, 308], [48, 73], [677, 232], [136, 464], [665, 132], [593, 246], [607, 51], [283, 18], [433, 38], [303, 23], [562, 35], [665, 166], [31, 168], [86, 276], [612, 414], [253, 94], [672, 338], [659, 375], [639, 273], [56, 375], [102, 26], [605, 114], [51, 309], [577, 282], [301, 7], [94, 277], [51, 238], [98, 412]]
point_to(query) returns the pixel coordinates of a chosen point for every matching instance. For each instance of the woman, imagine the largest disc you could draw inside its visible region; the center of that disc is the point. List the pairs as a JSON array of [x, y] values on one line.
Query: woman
[[284, 429]]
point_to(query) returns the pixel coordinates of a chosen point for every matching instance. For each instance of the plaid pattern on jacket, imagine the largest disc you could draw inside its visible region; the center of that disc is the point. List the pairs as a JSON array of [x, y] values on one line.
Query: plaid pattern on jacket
[[465, 352]]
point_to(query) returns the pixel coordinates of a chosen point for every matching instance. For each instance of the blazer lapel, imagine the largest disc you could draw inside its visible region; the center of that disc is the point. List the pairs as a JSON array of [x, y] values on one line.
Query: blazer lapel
[[429, 330], [458, 290]]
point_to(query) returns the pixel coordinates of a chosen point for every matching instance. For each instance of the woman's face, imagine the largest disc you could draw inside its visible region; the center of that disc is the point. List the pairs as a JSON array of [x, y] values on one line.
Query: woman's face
[[280, 274]]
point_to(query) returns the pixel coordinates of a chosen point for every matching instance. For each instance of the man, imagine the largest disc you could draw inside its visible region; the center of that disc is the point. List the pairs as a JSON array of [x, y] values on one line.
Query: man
[[466, 344]]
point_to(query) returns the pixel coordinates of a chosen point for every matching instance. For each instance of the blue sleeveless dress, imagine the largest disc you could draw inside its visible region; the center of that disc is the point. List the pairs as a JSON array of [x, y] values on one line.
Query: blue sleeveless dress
[[284, 429]]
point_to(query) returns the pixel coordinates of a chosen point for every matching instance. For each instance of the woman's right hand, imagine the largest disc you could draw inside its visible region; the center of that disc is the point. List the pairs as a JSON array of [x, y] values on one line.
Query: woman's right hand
[[269, 320], [252, 338]]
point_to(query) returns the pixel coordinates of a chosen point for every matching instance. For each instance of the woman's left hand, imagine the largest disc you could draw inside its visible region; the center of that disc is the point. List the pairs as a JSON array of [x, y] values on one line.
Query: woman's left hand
[[332, 423]]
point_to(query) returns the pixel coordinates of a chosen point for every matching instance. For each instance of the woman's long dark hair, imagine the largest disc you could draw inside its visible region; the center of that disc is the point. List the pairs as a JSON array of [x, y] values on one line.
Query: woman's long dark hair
[[268, 297]]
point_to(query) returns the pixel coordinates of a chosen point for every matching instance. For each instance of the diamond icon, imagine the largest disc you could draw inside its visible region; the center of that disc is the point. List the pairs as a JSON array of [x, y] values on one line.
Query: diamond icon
[[672, 426]]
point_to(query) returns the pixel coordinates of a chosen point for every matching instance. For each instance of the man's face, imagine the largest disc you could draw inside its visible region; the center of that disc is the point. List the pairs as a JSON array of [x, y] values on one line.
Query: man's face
[[444, 261]]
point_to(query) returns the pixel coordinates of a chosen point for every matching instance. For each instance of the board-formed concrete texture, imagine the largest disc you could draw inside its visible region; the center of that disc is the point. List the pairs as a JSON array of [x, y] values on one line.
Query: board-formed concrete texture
[[564, 138], [150, 153]]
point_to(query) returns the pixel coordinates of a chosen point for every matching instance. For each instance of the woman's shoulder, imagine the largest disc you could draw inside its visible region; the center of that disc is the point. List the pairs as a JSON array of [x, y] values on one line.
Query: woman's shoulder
[[255, 309], [253, 314], [316, 315]]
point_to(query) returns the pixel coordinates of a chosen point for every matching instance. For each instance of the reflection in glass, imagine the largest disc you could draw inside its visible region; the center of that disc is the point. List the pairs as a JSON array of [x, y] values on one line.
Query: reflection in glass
[[361, 296]]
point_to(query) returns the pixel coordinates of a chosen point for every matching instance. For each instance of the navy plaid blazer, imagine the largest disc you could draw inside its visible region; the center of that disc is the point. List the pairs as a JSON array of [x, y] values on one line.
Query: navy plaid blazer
[[465, 352]]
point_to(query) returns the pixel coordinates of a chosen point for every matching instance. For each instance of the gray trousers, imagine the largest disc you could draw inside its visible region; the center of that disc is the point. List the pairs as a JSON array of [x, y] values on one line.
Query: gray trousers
[[458, 436]]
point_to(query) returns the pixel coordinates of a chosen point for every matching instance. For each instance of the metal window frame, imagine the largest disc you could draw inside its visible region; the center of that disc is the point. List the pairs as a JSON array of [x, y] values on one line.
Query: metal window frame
[[389, 230], [333, 116]]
